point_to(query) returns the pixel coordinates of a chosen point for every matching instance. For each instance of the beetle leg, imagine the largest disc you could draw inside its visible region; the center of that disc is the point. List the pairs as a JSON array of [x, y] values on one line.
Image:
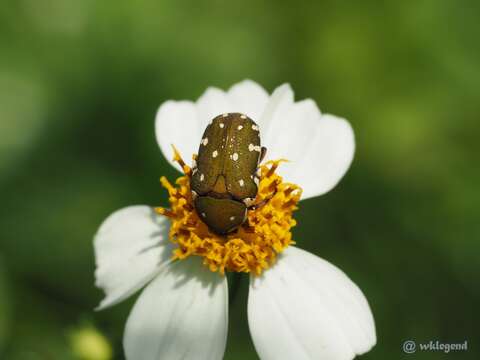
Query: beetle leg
[[260, 204], [263, 152], [249, 202], [256, 176], [194, 195], [263, 202], [249, 229], [194, 161], [194, 165]]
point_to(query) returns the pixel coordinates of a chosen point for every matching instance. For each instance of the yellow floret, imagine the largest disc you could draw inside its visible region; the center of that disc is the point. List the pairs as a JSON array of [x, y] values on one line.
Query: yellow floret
[[254, 246]]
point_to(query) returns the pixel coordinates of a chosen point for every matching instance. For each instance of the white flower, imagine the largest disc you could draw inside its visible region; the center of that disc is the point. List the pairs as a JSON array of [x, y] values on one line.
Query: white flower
[[301, 308]]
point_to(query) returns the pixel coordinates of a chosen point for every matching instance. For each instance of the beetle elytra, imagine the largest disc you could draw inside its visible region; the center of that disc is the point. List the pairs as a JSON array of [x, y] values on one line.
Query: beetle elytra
[[224, 181]]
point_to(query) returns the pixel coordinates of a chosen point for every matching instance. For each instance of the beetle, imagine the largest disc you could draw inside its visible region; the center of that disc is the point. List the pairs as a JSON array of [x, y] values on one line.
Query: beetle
[[224, 179]]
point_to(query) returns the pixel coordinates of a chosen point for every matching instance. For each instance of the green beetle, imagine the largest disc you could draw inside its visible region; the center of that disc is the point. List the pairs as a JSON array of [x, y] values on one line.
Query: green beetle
[[224, 179]]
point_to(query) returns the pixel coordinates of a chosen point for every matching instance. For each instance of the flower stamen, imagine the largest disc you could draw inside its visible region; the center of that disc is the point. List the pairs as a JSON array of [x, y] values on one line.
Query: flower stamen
[[253, 246]]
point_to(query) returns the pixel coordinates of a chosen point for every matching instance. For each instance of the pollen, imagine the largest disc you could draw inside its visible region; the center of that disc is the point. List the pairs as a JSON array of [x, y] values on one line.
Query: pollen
[[254, 246]]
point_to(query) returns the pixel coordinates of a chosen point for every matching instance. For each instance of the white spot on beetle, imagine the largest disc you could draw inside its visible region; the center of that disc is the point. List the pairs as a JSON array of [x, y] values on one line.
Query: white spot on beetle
[[255, 127], [252, 147], [249, 201], [225, 115], [240, 127], [215, 154], [222, 125], [241, 182], [232, 218], [235, 157], [204, 215], [243, 117], [205, 141], [202, 177]]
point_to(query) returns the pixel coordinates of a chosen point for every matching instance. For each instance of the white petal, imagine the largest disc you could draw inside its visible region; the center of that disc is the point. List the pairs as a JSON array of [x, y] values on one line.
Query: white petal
[[182, 314], [306, 308], [280, 101], [182, 123], [177, 124], [319, 147], [130, 248], [213, 102], [249, 98], [326, 157], [305, 117]]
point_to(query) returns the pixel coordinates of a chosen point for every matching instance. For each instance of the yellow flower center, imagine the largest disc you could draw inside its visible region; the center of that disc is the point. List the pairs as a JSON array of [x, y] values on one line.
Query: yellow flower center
[[254, 246]]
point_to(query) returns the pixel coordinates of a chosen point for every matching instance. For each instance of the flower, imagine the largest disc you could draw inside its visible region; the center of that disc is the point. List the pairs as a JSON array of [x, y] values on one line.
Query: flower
[[299, 305], [254, 247]]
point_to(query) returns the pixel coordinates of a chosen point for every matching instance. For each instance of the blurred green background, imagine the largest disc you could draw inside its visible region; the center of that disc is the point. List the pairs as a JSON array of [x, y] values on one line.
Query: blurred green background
[[80, 82]]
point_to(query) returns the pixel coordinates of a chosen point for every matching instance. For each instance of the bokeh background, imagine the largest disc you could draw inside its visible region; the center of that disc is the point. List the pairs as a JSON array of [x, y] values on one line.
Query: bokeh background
[[80, 82]]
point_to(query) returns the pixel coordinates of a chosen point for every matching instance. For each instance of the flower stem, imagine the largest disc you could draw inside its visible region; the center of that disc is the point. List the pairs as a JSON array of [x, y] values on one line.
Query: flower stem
[[235, 283]]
